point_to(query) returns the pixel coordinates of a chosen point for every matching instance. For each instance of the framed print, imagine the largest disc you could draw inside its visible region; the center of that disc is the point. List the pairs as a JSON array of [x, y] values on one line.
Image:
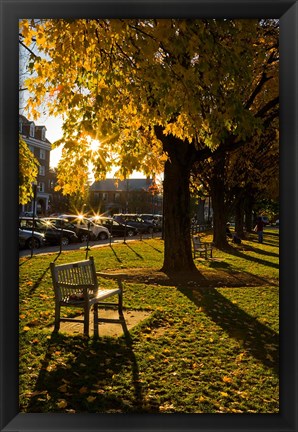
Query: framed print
[[150, 413]]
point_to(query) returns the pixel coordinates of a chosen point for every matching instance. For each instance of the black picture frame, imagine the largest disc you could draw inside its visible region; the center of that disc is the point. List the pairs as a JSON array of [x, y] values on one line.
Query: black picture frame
[[11, 11]]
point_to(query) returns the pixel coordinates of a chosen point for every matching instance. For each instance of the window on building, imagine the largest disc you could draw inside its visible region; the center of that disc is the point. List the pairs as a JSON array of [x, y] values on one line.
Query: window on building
[[40, 186], [43, 134], [117, 197], [42, 153], [31, 148], [20, 125], [51, 184], [32, 129], [42, 170], [104, 196]]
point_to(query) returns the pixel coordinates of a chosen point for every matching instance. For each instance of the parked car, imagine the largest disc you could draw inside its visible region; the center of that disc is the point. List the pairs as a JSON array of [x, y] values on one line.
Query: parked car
[[99, 232], [26, 240], [135, 221], [115, 228], [53, 236], [28, 213], [155, 219], [82, 233]]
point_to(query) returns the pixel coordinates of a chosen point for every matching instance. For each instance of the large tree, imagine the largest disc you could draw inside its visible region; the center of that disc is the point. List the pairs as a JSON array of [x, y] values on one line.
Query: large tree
[[241, 168], [157, 94]]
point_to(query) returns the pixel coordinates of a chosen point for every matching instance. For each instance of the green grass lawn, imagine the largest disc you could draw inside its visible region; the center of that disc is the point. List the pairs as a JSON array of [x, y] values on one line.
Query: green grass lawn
[[205, 348]]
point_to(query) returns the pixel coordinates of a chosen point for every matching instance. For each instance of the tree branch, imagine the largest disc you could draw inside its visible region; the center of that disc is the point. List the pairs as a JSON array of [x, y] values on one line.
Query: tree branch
[[271, 104], [28, 49]]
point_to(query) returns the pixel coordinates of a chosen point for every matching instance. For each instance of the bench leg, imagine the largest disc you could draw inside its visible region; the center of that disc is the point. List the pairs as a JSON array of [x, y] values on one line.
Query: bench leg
[[95, 318], [57, 317], [86, 320], [120, 304]]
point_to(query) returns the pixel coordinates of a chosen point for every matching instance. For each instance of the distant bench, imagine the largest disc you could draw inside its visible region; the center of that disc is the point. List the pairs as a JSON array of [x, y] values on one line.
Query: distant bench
[[202, 248]]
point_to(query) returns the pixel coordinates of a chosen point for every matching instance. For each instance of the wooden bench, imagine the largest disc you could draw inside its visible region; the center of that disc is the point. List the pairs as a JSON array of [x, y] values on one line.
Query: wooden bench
[[76, 285], [202, 248]]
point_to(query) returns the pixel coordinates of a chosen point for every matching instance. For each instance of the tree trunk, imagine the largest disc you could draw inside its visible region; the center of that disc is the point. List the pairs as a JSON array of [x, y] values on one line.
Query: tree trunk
[[178, 255], [178, 250], [248, 208], [217, 188], [239, 216]]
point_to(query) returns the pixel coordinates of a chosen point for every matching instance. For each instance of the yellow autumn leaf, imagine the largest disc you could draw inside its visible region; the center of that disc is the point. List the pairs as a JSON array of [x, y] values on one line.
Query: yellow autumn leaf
[[227, 379], [26, 328], [224, 394], [83, 390], [63, 388], [91, 398], [62, 404]]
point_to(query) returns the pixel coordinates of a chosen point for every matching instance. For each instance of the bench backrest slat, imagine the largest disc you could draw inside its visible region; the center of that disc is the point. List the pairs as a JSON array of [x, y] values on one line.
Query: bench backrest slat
[[72, 278]]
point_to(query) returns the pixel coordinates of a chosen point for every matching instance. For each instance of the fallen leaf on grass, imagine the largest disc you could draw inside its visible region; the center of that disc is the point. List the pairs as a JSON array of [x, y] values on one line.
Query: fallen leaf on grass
[[227, 379], [62, 404], [201, 399], [38, 393], [91, 398], [83, 390], [63, 388]]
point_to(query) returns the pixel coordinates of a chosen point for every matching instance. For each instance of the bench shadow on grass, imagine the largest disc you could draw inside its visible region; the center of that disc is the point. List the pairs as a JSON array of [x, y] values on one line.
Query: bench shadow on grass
[[91, 370], [253, 335]]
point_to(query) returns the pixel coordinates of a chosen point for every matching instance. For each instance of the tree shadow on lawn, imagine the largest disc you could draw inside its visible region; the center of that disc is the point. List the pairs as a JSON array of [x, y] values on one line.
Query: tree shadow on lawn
[[235, 251], [75, 368], [259, 340], [249, 280], [259, 251]]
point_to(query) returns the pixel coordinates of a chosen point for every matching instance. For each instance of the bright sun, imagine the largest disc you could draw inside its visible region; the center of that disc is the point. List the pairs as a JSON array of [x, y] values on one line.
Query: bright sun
[[94, 145]]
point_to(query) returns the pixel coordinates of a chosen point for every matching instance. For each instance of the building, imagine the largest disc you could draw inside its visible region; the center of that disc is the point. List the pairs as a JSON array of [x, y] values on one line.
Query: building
[[35, 137], [125, 196]]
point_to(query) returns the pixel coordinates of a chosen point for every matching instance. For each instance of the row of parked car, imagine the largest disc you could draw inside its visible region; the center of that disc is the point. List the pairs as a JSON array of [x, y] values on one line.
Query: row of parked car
[[64, 229]]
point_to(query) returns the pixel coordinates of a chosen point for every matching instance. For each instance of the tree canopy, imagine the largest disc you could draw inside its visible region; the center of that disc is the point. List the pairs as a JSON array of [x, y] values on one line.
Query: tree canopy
[[156, 93], [28, 170]]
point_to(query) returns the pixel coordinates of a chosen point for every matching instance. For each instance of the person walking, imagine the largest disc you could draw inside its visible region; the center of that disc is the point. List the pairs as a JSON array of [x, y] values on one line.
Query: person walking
[[259, 228]]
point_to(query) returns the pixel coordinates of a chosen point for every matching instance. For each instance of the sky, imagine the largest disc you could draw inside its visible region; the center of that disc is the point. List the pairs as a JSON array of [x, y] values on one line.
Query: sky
[[54, 132]]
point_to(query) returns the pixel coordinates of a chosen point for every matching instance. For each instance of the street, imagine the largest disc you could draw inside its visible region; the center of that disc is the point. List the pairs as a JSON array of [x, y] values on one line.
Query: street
[[83, 246]]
